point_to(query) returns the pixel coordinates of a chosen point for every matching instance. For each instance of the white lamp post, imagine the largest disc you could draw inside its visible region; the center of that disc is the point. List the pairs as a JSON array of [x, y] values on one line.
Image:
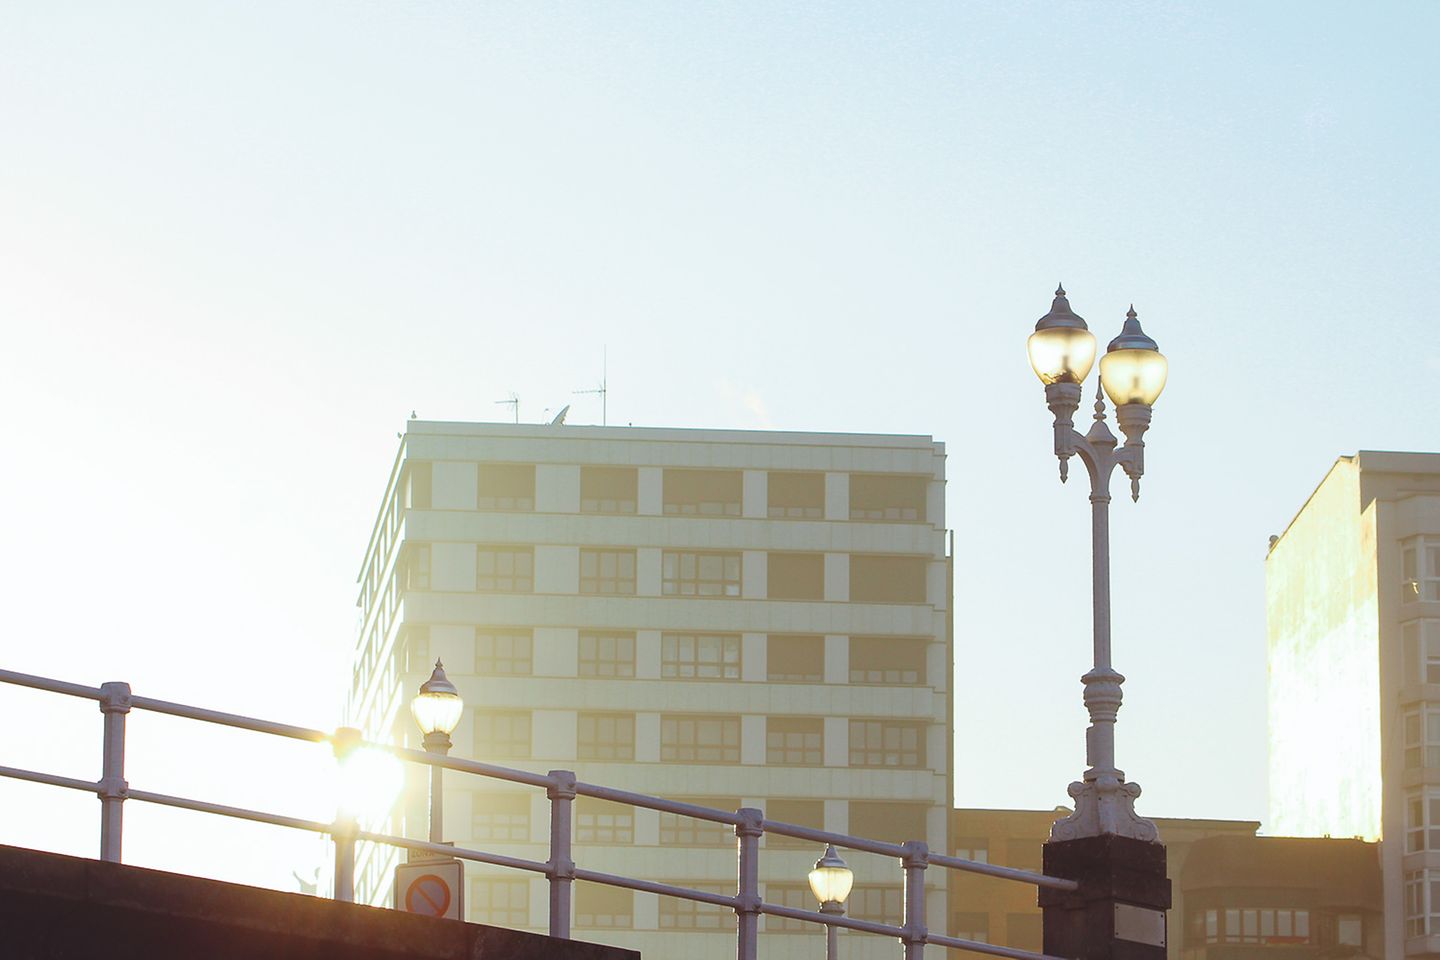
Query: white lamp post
[[830, 881], [437, 710], [1132, 372]]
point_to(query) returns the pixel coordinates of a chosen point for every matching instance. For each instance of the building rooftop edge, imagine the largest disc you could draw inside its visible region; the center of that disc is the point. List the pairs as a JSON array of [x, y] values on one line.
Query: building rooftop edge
[[670, 434], [1065, 810]]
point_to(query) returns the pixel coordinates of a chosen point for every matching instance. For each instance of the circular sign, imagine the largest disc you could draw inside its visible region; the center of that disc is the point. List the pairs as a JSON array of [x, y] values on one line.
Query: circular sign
[[428, 895]]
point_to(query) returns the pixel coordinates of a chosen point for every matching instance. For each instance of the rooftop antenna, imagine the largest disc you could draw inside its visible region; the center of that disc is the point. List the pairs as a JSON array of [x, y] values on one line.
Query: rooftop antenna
[[603, 389], [514, 401]]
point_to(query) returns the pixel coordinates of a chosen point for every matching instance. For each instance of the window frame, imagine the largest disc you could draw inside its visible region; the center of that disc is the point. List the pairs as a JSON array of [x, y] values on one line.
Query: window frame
[[497, 497], [675, 666], [674, 579], [511, 750], [598, 749], [622, 665], [598, 583], [486, 666], [520, 582], [793, 741], [883, 725], [725, 753]]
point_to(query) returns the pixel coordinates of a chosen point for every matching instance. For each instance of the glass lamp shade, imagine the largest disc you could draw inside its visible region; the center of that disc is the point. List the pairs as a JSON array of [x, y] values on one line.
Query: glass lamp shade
[[831, 880], [1061, 354], [1133, 375], [438, 706]]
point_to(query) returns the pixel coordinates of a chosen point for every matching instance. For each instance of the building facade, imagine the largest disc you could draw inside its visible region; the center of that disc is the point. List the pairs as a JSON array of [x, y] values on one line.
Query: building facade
[[1353, 625], [729, 618], [996, 911]]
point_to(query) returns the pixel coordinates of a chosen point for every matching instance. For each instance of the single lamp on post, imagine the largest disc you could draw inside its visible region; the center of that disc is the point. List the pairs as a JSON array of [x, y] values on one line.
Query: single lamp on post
[[437, 710], [830, 881]]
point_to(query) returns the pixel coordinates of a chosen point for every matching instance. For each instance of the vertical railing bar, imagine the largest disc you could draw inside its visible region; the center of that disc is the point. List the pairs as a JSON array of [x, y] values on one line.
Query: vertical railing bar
[[750, 825], [917, 855], [562, 867], [114, 704]]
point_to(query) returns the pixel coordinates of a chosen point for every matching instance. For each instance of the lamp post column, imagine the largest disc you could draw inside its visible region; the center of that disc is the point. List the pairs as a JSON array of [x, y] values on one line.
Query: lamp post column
[[437, 742]]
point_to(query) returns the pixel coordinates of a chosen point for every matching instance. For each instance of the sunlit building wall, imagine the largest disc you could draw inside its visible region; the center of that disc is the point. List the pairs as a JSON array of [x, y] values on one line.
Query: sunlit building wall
[[1353, 623], [730, 618]]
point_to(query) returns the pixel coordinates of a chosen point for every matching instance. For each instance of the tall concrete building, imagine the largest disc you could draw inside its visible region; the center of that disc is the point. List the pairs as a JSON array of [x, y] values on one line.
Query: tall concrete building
[[1353, 621], [730, 618]]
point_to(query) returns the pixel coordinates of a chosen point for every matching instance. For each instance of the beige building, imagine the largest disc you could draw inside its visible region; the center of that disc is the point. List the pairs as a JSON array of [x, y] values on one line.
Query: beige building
[[730, 618], [1353, 622]]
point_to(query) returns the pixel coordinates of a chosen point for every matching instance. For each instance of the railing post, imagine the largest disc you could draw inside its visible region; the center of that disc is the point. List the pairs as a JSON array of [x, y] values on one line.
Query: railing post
[[915, 859], [112, 788], [562, 868], [345, 741], [747, 905]]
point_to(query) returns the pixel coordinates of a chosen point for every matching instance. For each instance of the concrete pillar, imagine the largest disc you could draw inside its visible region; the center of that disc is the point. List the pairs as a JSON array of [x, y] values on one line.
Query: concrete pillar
[[1119, 911]]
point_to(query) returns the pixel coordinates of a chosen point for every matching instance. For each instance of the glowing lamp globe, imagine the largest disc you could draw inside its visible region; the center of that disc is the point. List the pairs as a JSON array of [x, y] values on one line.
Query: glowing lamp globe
[[1133, 370], [1062, 348], [831, 879], [438, 706]]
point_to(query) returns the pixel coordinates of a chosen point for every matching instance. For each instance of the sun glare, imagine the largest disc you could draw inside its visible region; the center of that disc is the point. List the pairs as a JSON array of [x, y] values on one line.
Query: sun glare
[[367, 782]]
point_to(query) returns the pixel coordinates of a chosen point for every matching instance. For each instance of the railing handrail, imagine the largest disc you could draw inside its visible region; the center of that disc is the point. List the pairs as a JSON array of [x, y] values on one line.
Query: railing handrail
[[115, 701]]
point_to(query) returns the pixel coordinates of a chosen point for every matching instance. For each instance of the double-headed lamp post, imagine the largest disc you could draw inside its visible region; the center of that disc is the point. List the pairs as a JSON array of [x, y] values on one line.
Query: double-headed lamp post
[[1132, 373], [437, 710], [830, 881]]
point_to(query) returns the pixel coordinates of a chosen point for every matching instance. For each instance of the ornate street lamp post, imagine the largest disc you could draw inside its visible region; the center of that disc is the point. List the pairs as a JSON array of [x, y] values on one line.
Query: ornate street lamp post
[[1104, 838], [830, 881], [437, 710]]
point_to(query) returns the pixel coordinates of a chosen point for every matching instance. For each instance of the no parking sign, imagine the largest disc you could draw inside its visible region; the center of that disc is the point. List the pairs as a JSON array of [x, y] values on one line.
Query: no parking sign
[[432, 888]]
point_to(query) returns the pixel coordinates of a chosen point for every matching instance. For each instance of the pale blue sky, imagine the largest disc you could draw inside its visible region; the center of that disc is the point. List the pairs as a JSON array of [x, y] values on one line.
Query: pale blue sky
[[240, 243]]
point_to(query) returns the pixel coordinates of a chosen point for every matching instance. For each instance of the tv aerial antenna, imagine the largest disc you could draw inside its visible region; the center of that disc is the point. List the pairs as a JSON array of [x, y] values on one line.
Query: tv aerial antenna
[[514, 401], [603, 389]]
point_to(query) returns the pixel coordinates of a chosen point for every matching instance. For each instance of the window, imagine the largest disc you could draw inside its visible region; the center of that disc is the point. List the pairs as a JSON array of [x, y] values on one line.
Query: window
[[415, 567], [1350, 930], [971, 926], [795, 741], [795, 659], [796, 496], [1422, 820], [607, 654], [608, 489], [973, 848], [876, 903], [796, 896], [890, 821], [887, 496], [1023, 931], [893, 660], [605, 736], [687, 574], [681, 831], [505, 486], [700, 656], [1265, 925], [1422, 902], [417, 649], [1420, 568], [882, 579], [597, 905], [887, 743], [679, 914], [502, 734], [500, 817], [501, 903], [705, 493], [502, 652], [795, 576], [1420, 642], [802, 813], [607, 572], [1023, 854], [419, 480], [699, 739], [505, 569], [1422, 738], [600, 821]]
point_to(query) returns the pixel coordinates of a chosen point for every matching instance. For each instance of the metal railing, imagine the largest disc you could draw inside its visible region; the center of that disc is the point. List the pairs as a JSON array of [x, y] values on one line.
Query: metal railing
[[561, 787]]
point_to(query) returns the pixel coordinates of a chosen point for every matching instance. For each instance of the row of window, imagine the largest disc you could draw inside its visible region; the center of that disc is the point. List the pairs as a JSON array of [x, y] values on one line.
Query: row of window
[[691, 656], [1420, 569], [505, 818], [610, 571], [688, 492], [506, 902], [708, 738], [1265, 925]]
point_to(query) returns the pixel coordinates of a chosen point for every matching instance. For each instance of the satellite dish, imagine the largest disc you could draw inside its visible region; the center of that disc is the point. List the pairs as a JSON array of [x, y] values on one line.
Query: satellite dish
[[560, 417]]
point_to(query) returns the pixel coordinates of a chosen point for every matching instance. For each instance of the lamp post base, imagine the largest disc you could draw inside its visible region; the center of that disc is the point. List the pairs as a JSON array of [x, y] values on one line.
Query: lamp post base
[[1118, 913], [1105, 805]]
